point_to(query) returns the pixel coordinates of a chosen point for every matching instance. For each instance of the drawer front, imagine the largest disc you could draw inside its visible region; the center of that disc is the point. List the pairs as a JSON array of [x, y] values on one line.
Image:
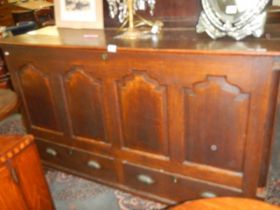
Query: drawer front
[[90, 164], [171, 186]]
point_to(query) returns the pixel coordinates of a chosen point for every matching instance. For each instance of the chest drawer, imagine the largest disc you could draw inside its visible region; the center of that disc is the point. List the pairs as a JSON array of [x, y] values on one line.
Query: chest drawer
[[91, 164], [171, 186]]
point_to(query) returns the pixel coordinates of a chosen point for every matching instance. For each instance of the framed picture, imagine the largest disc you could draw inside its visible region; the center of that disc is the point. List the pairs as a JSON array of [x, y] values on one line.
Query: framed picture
[[79, 13], [276, 2]]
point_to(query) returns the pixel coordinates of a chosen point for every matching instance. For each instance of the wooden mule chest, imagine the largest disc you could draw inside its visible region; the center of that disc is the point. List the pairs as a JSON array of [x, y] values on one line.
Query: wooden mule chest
[[174, 117]]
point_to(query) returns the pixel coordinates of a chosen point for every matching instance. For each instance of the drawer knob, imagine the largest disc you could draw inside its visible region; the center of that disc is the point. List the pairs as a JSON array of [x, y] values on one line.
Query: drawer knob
[[51, 152], [70, 152], [104, 56], [145, 179], [214, 147], [93, 164], [208, 195]]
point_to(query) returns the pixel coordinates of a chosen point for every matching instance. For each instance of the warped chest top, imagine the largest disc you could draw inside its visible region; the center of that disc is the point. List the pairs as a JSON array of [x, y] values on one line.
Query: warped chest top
[[176, 40]]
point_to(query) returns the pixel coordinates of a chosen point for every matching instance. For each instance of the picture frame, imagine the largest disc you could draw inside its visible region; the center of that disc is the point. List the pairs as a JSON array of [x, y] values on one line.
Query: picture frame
[[79, 14], [276, 2]]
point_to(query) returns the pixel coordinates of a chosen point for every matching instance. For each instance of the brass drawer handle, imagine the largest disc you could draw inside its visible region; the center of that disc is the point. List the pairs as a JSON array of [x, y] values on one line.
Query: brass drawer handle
[[208, 195], [93, 164], [104, 56], [51, 152], [145, 179]]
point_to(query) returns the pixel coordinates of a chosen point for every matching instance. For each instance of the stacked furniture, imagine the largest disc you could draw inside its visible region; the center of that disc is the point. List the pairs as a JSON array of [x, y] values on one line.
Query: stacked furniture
[[6, 8], [16, 12], [4, 75]]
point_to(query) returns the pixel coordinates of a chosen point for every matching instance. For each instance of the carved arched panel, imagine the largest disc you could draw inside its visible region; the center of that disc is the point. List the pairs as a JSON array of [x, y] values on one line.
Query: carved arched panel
[[143, 113], [38, 97], [84, 101], [216, 116]]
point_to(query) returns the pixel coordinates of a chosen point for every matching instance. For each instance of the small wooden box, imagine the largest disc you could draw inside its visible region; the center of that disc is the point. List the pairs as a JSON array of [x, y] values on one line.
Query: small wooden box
[[23, 186]]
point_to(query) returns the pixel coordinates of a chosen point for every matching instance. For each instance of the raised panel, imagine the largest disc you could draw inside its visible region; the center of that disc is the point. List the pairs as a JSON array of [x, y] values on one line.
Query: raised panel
[[84, 101], [38, 98], [216, 116], [143, 106]]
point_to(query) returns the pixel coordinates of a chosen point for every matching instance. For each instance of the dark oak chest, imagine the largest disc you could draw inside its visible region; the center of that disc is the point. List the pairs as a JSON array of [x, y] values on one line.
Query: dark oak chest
[[171, 119]]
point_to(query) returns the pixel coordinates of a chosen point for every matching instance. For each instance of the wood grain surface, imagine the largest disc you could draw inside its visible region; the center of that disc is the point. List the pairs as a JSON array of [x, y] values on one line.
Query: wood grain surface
[[225, 204], [22, 180]]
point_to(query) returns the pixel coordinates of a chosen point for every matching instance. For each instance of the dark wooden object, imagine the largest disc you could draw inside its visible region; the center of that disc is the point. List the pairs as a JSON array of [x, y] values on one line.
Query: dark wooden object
[[6, 18], [23, 15], [44, 17], [3, 2], [225, 204], [23, 186], [273, 14], [4, 75], [176, 118], [10, 14]]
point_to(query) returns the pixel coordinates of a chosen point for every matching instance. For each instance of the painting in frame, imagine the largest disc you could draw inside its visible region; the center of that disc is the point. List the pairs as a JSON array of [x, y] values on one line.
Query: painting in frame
[[79, 14]]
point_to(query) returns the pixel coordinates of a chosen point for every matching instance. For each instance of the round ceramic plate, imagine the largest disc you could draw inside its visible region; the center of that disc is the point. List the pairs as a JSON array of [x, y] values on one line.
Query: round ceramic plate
[[232, 17]]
